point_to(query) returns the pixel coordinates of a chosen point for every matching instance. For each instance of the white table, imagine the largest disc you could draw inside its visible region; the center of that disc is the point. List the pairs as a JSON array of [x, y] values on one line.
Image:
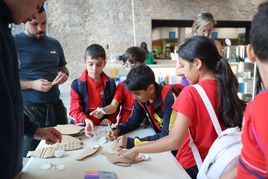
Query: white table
[[160, 166]]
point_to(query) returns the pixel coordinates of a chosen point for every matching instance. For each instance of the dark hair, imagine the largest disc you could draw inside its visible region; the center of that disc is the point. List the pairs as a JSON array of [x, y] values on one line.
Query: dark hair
[[95, 51], [41, 10], [143, 45], [139, 78], [231, 108], [259, 32], [134, 55]]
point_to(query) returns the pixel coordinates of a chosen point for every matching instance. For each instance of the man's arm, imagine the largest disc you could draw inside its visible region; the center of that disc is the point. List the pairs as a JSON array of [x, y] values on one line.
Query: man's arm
[[49, 134]]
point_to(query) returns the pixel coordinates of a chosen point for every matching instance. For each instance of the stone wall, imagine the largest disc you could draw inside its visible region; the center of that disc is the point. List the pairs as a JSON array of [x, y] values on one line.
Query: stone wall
[[78, 23]]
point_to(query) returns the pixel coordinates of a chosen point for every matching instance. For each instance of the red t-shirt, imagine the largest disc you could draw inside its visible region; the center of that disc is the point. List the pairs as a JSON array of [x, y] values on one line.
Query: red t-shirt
[[191, 105], [125, 99], [95, 93], [254, 153]]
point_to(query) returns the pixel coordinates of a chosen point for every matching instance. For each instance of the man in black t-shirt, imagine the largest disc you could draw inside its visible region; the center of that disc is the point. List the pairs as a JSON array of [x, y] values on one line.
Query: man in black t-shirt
[[41, 70]]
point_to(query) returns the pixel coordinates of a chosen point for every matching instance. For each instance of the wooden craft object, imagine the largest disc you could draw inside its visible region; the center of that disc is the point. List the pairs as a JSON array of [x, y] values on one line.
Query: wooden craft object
[[47, 152], [88, 152], [119, 160], [68, 143], [69, 129]]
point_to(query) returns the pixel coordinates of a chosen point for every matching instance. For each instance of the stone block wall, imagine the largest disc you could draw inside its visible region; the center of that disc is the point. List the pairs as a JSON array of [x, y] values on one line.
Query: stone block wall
[[79, 23]]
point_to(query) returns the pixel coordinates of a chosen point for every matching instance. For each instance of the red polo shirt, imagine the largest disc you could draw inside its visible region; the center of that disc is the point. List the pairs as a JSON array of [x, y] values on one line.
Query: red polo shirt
[[125, 99]]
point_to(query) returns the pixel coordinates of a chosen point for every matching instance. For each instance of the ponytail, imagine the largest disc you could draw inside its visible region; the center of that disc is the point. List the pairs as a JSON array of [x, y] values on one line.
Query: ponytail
[[230, 107]]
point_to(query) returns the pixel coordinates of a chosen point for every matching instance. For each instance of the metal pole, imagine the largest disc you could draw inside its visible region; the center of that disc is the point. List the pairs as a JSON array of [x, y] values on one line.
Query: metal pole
[[133, 22]]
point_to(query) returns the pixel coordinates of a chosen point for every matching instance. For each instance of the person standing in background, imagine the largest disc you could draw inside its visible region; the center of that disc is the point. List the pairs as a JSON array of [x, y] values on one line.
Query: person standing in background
[[13, 123], [41, 70], [203, 25], [150, 57]]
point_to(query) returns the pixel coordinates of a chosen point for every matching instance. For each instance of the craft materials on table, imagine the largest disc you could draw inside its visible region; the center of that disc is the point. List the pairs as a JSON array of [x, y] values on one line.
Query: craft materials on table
[[69, 129], [57, 150], [88, 152], [96, 174]]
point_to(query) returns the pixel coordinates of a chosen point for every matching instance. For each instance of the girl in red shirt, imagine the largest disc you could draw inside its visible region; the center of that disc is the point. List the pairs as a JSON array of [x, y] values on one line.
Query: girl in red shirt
[[202, 64]]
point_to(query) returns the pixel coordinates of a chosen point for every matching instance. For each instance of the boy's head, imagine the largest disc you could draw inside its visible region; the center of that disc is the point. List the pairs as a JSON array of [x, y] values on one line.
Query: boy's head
[[259, 33], [133, 56], [141, 82], [95, 60]]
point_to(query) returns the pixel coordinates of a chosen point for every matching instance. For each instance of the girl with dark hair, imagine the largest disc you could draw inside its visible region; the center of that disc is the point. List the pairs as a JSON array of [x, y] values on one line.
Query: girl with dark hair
[[202, 64]]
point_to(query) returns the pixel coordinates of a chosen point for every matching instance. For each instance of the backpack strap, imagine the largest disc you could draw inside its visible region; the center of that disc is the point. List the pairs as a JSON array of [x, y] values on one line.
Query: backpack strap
[[209, 107], [197, 156], [214, 121]]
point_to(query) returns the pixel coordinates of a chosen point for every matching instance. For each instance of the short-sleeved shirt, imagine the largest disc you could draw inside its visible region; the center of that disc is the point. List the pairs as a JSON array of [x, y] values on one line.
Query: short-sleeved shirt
[[254, 154], [190, 104], [39, 59], [125, 99]]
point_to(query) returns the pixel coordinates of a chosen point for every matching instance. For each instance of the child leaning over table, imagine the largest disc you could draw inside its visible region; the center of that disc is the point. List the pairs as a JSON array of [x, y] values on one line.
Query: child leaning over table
[[202, 64], [94, 89], [123, 97], [152, 101]]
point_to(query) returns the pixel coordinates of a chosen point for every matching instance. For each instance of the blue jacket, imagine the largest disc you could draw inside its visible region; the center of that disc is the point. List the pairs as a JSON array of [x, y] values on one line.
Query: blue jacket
[[161, 116], [11, 114]]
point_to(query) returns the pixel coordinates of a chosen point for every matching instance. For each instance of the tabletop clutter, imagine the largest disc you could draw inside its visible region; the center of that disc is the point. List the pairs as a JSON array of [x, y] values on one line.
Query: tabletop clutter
[[72, 140]]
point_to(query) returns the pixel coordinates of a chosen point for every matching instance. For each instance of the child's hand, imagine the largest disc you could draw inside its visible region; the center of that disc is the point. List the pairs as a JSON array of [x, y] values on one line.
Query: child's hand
[[129, 154], [105, 122], [122, 141], [97, 113], [112, 135], [89, 127]]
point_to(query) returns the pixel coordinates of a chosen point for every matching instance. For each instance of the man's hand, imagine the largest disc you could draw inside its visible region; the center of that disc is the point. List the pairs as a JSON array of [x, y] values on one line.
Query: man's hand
[[42, 85], [60, 78], [105, 122], [49, 134], [112, 135], [89, 127]]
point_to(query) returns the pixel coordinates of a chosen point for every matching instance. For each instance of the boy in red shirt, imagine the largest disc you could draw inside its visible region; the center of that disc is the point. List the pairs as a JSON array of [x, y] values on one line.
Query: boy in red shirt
[[123, 97], [92, 90], [254, 154]]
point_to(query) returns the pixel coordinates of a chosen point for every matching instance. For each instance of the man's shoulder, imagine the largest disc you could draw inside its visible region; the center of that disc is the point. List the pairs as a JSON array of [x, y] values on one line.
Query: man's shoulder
[[19, 36], [52, 39]]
